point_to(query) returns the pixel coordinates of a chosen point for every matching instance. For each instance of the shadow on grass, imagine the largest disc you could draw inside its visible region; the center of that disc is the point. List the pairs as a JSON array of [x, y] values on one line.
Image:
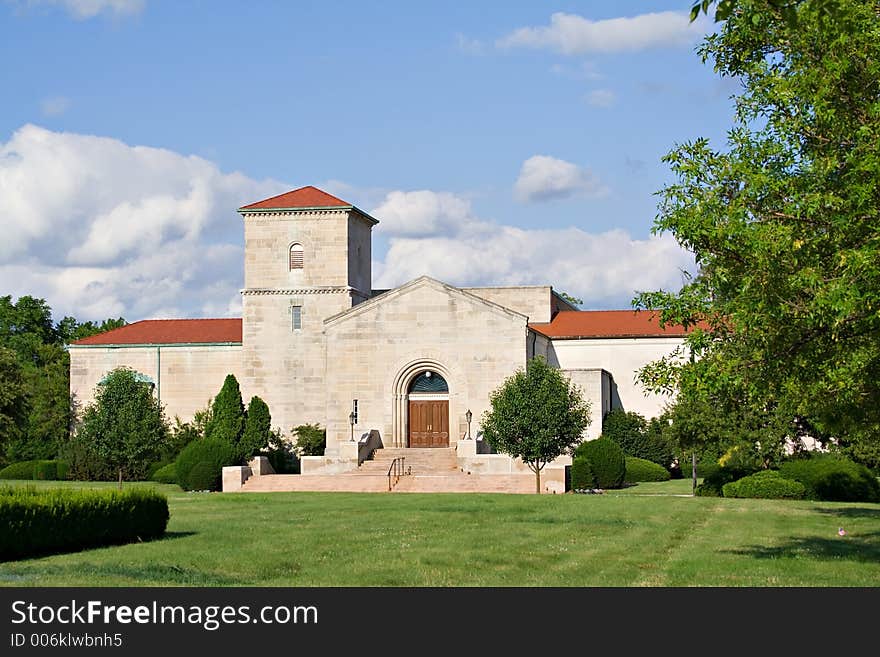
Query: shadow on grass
[[167, 536], [860, 547], [851, 512], [148, 574], [172, 535]]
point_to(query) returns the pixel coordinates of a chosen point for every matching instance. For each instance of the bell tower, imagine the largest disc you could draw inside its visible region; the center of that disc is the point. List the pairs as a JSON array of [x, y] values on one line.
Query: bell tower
[[307, 257]]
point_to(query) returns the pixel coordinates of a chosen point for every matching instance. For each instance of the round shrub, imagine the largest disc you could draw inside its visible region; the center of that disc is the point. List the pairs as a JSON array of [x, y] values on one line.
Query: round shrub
[[166, 474], [204, 476], [767, 485], [46, 470], [215, 452], [713, 483], [158, 465], [831, 478], [20, 470], [607, 461], [644, 470], [582, 474]]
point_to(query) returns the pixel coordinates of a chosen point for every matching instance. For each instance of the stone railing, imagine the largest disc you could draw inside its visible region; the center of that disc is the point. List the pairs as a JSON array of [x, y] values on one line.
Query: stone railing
[[368, 443]]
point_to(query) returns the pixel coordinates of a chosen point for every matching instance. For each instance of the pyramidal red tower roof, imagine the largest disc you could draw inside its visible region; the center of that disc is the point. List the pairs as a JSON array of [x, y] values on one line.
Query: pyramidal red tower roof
[[304, 197]]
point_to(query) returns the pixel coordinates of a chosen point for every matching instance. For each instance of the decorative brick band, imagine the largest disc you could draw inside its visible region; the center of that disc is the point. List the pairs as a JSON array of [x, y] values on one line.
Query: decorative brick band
[[301, 291]]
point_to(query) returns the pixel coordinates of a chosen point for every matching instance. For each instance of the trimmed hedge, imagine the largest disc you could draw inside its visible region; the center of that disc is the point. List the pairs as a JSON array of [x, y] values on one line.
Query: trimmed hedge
[[607, 461], [644, 470], [35, 521], [582, 474], [38, 469], [765, 485], [713, 484], [214, 453], [831, 478], [166, 474]]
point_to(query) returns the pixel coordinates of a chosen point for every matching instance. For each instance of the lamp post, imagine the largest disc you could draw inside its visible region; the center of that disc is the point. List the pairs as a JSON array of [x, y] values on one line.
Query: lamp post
[[468, 417], [351, 422]]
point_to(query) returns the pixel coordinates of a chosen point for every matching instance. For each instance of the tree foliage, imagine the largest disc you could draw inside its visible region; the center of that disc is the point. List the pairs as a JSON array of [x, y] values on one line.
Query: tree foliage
[[784, 224], [311, 439], [27, 328], [125, 427], [13, 399], [536, 415], [257, 427], [227, 413]]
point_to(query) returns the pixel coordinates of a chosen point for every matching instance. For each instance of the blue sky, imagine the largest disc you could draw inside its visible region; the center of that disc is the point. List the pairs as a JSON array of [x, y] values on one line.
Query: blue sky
[[497, 143]]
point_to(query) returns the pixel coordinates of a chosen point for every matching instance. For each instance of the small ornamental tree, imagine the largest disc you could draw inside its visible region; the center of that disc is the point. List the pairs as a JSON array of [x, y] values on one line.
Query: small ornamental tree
[[227, 413], [536, 415], [125, 426], [257, 427], [311, 439]]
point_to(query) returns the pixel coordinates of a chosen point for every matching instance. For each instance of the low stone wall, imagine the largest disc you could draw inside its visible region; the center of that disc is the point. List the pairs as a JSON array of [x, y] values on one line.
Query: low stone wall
[[552, 476], [234, 477]]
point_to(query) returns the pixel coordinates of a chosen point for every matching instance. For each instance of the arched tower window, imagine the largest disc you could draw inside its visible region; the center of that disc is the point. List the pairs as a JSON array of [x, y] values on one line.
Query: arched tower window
[[296, 256]]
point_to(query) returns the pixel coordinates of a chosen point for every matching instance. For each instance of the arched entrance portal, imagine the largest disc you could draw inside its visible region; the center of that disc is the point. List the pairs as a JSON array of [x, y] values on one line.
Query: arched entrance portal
[[428, 410]]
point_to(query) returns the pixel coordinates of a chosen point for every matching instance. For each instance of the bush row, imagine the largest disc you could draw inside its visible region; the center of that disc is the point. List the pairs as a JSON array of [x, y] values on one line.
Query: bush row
[[34, 521], [823, 477], [45, 470], [831, 478]]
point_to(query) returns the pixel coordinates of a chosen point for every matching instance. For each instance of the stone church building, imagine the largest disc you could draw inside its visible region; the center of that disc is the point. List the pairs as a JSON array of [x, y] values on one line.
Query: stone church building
[[318, 344]]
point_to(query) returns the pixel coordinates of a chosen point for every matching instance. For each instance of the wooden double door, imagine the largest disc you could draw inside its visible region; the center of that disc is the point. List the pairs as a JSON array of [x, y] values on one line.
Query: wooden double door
[[429, 423]]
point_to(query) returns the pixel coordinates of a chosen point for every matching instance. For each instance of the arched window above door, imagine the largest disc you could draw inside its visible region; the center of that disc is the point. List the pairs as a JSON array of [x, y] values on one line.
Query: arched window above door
[[429, 381]]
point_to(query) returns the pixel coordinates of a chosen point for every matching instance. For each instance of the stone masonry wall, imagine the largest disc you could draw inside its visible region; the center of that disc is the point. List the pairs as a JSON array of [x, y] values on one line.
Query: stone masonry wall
[[189, 376], [479, 346], [532, 301]]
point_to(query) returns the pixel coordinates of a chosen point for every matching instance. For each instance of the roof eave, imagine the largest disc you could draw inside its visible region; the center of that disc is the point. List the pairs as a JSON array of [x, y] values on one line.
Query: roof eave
[[311, 208]]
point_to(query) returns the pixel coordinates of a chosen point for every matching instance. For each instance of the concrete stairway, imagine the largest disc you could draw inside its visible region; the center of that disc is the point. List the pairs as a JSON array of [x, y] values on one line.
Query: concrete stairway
[[418, 461], [429, 470]]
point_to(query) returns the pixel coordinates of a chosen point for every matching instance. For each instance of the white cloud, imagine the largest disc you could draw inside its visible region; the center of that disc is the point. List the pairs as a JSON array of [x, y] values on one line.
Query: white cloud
[[54, 106], [601, 98], [571, 34], [544, 178], [99, 228], [469, 45], [603, 269], [422, 213], [83, 9]]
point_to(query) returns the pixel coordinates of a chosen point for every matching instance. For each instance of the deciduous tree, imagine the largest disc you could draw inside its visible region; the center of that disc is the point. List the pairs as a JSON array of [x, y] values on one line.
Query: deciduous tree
[[784, 222], [536, 415], [125, 426]]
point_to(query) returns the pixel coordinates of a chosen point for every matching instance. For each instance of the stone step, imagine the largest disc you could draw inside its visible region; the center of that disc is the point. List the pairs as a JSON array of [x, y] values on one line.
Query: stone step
[[360, 483], [417, 461]]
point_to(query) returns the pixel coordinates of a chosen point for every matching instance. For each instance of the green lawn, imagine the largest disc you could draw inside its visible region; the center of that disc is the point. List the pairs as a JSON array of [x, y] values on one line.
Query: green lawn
[[645, 535]]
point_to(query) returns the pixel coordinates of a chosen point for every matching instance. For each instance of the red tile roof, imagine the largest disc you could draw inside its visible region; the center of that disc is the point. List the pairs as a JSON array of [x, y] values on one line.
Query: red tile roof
[[304, 197], [606, 324], [169, 331]]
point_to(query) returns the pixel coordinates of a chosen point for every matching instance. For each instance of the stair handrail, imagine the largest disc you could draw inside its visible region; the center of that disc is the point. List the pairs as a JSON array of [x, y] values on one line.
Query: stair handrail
[[395, 470]]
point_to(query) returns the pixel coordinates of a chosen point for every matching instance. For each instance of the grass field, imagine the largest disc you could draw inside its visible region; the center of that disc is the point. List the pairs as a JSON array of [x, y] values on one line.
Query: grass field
[[646, 535]]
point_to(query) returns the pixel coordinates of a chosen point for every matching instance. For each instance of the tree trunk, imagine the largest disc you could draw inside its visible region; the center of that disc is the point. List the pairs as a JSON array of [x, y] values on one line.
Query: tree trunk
[[120, 478], [694, 473]]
